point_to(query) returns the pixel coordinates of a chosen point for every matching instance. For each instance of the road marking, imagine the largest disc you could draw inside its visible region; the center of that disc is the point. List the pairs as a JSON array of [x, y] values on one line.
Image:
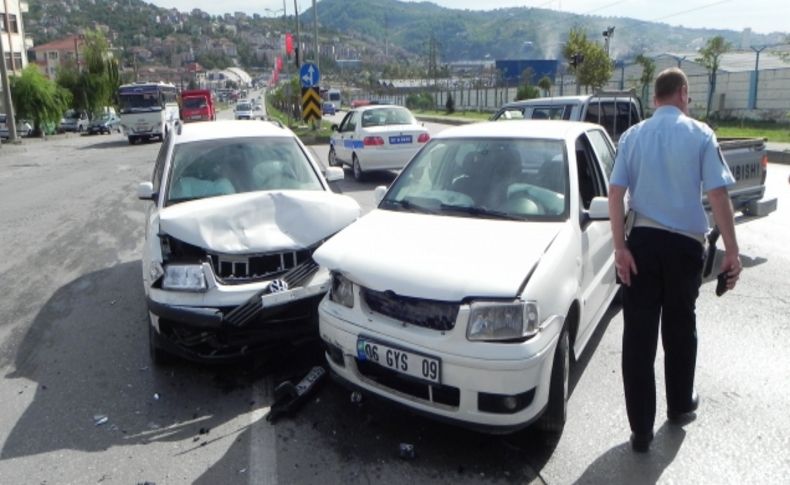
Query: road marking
[[263, 437]]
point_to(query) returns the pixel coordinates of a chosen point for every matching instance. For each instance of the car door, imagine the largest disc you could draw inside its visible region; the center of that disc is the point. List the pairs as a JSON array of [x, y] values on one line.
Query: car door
[[597, 255], [344, 145]]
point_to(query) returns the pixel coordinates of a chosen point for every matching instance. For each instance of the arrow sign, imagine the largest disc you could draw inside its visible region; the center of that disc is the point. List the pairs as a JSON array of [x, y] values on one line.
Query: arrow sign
[[309, 75]]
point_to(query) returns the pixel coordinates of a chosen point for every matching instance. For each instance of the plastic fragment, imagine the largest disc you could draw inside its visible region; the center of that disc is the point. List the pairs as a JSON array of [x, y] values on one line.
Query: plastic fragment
[[100, 419], [156, 396], [356, 397], [406, 451]]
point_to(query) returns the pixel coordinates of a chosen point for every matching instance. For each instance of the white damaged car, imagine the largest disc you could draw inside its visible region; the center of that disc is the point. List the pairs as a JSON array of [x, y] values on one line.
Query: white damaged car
[[237, 210], [482, 273]]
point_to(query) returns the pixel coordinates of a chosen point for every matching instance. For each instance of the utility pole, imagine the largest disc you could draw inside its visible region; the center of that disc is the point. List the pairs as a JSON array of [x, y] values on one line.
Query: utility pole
[[607, 37], [756, 74], [10, 119], [315, 35], [296, 15]]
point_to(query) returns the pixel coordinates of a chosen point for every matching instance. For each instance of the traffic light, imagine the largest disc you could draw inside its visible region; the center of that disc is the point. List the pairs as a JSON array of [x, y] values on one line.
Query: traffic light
[[576, 60]]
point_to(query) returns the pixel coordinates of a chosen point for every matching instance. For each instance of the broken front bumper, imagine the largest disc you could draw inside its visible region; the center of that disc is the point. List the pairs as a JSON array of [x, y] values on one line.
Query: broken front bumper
[[199, 327]]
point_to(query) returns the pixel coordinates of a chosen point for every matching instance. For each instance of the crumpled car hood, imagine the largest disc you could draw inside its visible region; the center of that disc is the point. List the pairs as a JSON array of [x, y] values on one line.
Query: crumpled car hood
[[438, 257], [257, 222]]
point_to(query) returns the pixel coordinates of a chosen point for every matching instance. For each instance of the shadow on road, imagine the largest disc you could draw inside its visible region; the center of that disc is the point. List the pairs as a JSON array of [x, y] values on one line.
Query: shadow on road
[[621, 466], [113, 142], [85, 357]]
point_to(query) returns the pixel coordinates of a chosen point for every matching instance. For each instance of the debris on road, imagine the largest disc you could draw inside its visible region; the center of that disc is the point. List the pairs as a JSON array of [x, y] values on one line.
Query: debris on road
[[100, 419], [288, 397], [156, 396], [406, 451]]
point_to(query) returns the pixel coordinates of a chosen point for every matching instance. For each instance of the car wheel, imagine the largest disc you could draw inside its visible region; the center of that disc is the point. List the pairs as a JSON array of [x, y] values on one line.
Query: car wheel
[[332, 157], [553, 419], [359, 175], [159, 357]]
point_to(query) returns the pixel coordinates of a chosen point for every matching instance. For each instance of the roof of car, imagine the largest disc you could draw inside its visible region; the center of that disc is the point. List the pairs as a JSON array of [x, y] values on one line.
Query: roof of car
[[543, 129], [213, 130]]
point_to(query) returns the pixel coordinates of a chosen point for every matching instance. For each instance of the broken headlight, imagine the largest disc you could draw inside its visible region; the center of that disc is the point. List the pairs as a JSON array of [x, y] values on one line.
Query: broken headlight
[[342, 291], [492, 320], [184, 277]]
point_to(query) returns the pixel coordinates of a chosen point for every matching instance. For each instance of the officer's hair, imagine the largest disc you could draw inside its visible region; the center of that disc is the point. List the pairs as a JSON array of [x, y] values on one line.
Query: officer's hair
[[669, 81]]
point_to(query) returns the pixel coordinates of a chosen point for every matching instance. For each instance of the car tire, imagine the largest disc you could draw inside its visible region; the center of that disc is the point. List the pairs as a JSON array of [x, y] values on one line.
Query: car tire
[[359, 175], [553, 419], [159, 357], [332, 157]]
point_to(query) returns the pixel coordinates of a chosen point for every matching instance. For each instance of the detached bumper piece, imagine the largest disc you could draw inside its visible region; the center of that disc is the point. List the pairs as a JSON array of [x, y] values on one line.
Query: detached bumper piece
[[288, 397], [251, 309]]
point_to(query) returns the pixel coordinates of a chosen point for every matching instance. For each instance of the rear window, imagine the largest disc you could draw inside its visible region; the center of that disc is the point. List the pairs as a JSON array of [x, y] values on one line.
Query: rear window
[[387, 116], [194, 103], [614, 122]]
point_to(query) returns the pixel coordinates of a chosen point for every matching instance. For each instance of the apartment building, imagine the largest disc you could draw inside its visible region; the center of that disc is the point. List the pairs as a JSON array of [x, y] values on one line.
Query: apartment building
[[51, 55], [12, 31]]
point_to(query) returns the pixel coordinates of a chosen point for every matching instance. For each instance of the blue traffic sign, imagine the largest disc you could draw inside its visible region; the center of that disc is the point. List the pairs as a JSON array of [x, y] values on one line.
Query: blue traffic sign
[[309, 75]]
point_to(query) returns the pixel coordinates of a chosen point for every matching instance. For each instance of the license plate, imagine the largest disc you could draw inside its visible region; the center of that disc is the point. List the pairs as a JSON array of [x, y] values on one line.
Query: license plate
[[400, 140], [196, 117], [400, 360]]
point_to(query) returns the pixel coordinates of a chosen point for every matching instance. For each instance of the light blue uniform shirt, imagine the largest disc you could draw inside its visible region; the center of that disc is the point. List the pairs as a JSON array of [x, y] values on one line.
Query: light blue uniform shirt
[[666, 162]]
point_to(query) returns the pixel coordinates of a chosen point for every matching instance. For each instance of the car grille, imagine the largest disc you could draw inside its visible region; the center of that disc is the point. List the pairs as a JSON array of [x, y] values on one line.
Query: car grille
[[238, 269], [437, 315]]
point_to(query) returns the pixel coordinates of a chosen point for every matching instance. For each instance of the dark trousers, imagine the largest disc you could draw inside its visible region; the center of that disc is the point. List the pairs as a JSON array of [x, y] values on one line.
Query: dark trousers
[[666, 287]]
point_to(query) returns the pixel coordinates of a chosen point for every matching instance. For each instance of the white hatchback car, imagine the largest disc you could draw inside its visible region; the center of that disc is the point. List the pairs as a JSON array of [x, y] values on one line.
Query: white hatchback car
[[376, 137], [237, 210], [486, 266]]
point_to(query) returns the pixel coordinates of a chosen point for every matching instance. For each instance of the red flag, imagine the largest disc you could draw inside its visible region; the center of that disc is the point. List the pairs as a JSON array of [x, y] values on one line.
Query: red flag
[[289, 44], [278, 64]]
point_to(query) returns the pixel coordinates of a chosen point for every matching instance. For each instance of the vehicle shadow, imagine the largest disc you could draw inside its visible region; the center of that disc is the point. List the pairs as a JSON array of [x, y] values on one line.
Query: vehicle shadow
[[621, 466], [112, 142], [85, 358], [335, 439]]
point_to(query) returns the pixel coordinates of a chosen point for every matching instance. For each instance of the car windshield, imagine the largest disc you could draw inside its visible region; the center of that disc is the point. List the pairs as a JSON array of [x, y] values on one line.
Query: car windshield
[[146, 101], [387, 116], [243, 107], [230, 166], [485, 178], [194, 103]]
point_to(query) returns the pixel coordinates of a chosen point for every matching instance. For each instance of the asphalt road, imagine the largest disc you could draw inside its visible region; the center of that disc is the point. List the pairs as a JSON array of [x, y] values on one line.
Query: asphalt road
[[73, 351]]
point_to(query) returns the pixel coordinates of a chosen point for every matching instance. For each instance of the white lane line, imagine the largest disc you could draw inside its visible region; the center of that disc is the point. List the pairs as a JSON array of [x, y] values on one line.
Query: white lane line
[[263, 438]]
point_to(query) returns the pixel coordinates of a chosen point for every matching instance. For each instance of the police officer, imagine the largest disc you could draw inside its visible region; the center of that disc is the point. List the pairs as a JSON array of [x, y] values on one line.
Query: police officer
[[665, 163]]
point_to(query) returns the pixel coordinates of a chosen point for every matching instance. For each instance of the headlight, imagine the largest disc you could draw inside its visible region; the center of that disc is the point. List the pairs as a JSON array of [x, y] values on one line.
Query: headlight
[[342, 291], [184, 277], [490, 320]]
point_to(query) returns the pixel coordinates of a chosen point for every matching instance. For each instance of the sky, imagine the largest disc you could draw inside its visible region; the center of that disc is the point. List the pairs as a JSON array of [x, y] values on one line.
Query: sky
[[762, 16]]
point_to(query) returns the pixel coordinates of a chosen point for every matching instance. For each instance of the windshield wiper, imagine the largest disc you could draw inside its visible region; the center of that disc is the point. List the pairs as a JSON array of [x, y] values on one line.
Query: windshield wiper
[[480, 211], [407, 205]]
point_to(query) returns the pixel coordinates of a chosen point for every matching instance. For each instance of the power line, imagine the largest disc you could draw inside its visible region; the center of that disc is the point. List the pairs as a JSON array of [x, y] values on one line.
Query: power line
[[603, 7], [691, 10]]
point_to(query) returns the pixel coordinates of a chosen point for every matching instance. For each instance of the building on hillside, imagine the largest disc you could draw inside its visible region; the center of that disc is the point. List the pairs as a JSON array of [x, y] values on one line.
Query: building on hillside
[[12, 30], [50, 56]]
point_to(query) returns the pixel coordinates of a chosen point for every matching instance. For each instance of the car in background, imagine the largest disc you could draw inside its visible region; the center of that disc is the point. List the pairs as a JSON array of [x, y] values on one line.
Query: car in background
[[328, 108], [257, 112], [23, 127], [486, 267], [243, 111], [378, 137], [76, 121], [236, 211], [105, 123]]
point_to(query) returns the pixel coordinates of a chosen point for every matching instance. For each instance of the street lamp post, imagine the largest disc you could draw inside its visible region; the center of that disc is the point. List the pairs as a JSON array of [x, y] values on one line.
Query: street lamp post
[[756, 75]]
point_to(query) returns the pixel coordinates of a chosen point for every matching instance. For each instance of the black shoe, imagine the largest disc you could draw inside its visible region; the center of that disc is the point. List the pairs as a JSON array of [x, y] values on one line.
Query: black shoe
[[687, 416], [640, 442]]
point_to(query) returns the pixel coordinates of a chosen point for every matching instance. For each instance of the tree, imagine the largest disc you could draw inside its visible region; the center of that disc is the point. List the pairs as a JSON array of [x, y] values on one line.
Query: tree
[[94, 84], [450, 104], [710, 58], [545, 84], [648, 71], [588, 60], [39, 99]]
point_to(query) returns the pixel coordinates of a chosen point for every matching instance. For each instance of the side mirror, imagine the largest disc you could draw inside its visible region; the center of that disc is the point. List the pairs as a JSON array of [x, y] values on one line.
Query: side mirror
[[334, 128], [145, 191], [599, 209], [333, 174], [378, 193]]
